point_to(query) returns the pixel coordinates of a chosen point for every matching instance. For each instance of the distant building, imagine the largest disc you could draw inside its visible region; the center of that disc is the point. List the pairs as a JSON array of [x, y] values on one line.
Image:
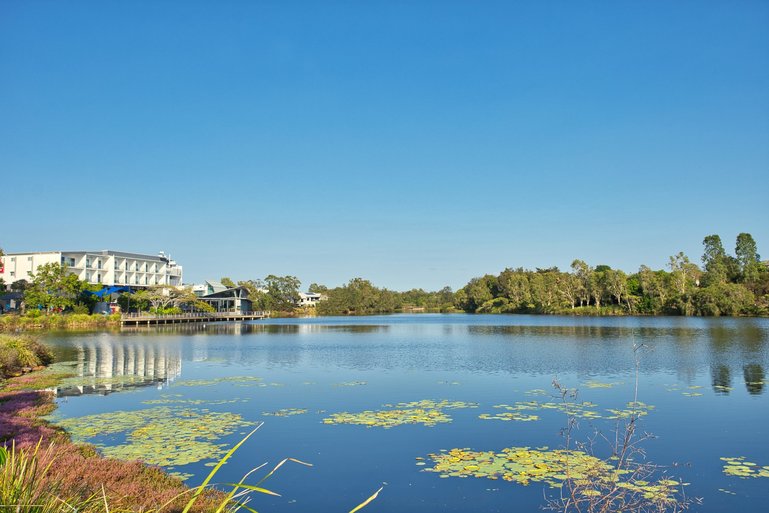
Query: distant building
[[309, 299], [108, 268], [233, 300], [208, 287]]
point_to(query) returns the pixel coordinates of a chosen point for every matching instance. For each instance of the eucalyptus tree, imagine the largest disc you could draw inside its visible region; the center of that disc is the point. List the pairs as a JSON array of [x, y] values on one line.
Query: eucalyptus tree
[[748, 259]]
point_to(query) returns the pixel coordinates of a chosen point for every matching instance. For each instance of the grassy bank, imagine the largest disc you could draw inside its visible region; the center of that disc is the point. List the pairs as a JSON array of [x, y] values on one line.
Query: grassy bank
[[38, 321], [65, 472]]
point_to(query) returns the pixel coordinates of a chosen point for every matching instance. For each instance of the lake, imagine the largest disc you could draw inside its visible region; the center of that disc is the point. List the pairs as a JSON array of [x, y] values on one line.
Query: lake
[[428, 383]]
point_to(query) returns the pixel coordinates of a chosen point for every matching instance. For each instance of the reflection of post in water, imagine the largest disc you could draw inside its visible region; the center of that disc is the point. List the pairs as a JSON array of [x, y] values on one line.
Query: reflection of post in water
[[104, 366], [721, 377], [754, 378]]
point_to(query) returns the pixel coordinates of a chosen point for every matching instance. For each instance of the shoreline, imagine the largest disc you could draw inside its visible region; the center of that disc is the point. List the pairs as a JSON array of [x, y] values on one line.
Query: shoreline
[[78, 472]]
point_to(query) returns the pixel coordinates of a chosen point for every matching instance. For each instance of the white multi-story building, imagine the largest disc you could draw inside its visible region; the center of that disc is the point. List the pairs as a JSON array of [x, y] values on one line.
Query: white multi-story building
[[108, 268]]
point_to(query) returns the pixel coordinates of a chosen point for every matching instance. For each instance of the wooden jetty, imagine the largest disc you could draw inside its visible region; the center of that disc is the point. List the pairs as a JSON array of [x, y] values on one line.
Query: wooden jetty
[[149, 319]]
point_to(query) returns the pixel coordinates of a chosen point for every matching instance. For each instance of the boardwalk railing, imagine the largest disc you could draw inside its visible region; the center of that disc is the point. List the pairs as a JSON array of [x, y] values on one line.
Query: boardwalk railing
[[149, 318]]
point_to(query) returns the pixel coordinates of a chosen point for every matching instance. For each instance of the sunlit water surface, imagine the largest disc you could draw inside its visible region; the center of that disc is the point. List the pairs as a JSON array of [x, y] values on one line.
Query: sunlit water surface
[[705, 378]]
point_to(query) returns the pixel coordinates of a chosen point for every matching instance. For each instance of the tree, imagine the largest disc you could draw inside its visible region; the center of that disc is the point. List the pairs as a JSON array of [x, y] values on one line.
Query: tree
[[284, 291], [714, 260], [514, 285], [227, 282], [19, 285], [748, 259], [684, 278], [53, 288], [582, 271]]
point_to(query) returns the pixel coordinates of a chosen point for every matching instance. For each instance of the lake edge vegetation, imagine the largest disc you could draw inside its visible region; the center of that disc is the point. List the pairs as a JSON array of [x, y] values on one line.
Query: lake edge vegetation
[[725, 285]]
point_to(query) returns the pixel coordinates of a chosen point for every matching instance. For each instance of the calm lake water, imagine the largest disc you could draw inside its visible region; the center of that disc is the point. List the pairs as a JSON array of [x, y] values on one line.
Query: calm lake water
[[705, 378]]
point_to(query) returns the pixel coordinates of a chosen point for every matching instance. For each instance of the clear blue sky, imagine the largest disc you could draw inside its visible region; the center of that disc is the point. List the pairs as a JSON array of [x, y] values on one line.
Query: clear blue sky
[[416, 144]]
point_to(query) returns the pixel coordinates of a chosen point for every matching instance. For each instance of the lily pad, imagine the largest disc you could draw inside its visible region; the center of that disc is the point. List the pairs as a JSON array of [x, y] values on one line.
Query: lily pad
[[738, 467], [241, 380], [426, 412], [524, 465], [285, 412], [162, 435]]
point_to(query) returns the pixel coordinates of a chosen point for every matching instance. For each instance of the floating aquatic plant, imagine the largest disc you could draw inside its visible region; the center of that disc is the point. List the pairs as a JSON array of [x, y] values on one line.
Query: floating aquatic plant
[[599, 384], [242, 380], [390, 418], [524, 465], [163, 435], [426, 412], [434, 405], [523, 417], [351, 384], [174, 400], [285, 412], [634, 408], [738, 467]]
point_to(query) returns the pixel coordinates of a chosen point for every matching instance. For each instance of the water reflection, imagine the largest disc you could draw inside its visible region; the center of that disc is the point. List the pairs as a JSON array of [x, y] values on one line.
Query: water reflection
[[737, 348], [104, 365], [248, 329]]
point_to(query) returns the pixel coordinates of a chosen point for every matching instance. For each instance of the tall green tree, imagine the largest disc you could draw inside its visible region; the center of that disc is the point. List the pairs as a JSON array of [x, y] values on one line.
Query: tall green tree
[[284, 291], [53, 288], [714, 260], [748, 259]]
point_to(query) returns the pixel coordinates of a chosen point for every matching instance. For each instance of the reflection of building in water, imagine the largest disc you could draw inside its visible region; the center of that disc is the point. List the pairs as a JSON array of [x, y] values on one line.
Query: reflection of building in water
[[105, 366]]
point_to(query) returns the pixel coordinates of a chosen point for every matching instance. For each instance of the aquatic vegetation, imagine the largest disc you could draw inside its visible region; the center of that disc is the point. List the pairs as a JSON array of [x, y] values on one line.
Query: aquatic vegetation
[[524, 465], [634, 409], [247, 380], [738, 467], [597, 384], [285, 412], [390, 418], [426, 412], [163, 435], [691, 394], [434, 405], [727, 492], [536, 391], [449, 383], [523, 417], [196, 402], [351, 384]]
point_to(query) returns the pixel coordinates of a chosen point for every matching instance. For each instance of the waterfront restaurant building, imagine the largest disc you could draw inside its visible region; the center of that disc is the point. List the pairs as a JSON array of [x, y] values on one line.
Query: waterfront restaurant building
[[108, 268]]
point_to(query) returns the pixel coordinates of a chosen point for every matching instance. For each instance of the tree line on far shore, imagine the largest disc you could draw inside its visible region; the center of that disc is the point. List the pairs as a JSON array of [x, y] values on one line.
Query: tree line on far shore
[[725, 285]]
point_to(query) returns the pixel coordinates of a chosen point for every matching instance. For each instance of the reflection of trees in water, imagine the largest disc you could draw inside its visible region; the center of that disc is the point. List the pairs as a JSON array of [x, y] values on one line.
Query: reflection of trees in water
[[739, 345], [721, 377], [754, 378], [238, 328]]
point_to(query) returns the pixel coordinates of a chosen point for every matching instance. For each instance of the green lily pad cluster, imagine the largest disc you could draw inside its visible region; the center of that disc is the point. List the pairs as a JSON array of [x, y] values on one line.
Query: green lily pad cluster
[[514, 415], [242, 380], [177, 399], [427, 412], [598, 384], [285, 412], [523, 465], [738, 467], [163, 435], [429, 404], [633, 409]]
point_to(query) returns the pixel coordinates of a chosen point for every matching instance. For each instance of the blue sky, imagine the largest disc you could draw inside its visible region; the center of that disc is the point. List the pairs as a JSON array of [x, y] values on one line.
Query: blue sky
[[416, 144]]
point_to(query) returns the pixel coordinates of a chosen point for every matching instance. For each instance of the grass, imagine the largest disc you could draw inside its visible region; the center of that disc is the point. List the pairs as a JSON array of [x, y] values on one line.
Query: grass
[[20, 353], [37, 321]]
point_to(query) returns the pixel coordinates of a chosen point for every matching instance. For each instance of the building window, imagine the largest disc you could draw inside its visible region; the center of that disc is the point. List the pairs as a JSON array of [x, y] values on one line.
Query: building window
[[98, 277], [98, 263], [88, 262]]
